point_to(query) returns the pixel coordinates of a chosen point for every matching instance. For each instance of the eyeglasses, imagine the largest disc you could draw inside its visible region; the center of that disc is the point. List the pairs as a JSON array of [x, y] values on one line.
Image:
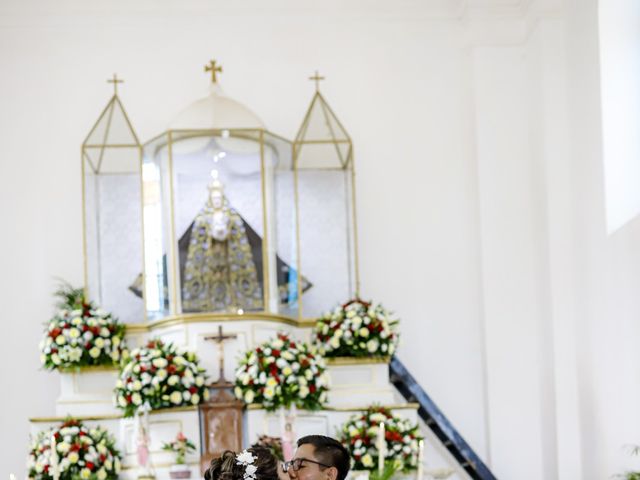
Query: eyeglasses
[[296, 464]]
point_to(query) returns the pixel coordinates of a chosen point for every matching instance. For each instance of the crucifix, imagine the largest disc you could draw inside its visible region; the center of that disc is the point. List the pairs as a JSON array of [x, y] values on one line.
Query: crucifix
[[317, 78], [214, 69], [219, 339], [115, 80]]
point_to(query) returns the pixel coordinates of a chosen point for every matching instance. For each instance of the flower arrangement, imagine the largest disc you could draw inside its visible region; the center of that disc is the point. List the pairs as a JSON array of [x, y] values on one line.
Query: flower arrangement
[[80, 453], [180, 446], [282, 372], [359, 436], [160, 376], [356, 329], [81, 334]]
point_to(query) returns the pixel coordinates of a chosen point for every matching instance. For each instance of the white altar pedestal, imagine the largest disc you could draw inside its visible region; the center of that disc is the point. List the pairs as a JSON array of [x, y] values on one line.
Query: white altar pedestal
[[87, 391], [360, 382]]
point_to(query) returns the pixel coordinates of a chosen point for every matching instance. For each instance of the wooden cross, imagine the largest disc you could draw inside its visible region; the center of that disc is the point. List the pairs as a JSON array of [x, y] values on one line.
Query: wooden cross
[[219, 339], [115, 80], [317, 79], [214, 69]]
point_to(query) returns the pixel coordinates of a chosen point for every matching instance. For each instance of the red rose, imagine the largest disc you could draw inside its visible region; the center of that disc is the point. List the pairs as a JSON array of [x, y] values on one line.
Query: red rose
[[90, 466]]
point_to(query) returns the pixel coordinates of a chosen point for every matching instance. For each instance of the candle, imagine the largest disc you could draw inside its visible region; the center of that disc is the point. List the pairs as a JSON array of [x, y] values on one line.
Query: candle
[[382, 448], [55, 472], [420, 460]]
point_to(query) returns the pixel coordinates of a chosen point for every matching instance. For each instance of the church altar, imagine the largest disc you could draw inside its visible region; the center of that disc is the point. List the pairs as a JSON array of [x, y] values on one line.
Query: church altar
[[215, 236]]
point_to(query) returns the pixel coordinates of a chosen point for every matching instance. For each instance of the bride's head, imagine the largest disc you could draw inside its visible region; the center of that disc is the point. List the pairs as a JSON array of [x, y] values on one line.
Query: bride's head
[[255, 463]]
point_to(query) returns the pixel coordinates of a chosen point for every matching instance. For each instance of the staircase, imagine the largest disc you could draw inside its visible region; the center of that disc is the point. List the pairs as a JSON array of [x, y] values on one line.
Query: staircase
[[437, 422]]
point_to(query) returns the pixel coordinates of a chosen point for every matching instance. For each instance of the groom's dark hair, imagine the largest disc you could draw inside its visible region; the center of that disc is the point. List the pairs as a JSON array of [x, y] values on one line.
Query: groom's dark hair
[[330, 452]]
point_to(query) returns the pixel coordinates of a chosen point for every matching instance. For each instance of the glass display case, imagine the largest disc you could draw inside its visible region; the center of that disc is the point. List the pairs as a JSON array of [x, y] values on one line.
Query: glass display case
[[219, 215], [323, 165], [112, 213]]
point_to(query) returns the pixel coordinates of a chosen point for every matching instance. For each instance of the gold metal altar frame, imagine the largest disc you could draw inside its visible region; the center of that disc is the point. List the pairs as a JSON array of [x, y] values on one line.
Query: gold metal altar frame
[[263, 137]]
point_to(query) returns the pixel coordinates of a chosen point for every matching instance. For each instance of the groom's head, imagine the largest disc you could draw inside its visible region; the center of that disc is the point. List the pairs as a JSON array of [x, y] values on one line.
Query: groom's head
[[326, 459]]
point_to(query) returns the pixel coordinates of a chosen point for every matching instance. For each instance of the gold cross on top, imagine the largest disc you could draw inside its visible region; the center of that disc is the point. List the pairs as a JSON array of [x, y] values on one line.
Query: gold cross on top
[[317, 79], [115, 80], [214, 69]]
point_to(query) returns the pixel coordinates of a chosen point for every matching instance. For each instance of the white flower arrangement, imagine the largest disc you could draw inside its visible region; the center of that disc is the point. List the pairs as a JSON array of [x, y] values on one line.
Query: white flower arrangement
[[162, 377], [280, 373], [356, 329], [359, 435], [81, 335], [81, 453]]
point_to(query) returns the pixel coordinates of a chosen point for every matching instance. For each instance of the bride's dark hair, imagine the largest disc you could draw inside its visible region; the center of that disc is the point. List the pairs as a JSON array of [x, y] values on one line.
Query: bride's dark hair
[[225, 467]]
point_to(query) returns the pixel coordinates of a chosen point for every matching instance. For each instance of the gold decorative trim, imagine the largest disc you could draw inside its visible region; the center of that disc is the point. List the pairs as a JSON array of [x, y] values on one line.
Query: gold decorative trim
[[403, 406], [157, 465], [90, 369], [187, 318], [113, 416], [340, 361]]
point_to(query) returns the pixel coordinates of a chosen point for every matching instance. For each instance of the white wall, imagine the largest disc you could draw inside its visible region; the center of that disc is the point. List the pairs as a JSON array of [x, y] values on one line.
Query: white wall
[[480, 188], [398, 80]]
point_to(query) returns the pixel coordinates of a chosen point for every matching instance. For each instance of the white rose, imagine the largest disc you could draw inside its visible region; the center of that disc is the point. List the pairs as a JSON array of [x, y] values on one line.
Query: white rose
[[287, 371], [121, 401], [74, 333], [304, 392], [372, 345], [269, 392], [77, 321], [367, 460], [176, 398], [115, 341], [60, 340], [238, 392], [102, 474], [249, 396], [136, 399], [287, 356], [137, 385], [363, 332], [99, 342], [73, 457], [55, 358], [199, 381], [195, 398], [85, 473], [186, 395], [173, 380], [104, 332], [160, 362], [161, 374], [334, 342], [278, 344], [94, 352]]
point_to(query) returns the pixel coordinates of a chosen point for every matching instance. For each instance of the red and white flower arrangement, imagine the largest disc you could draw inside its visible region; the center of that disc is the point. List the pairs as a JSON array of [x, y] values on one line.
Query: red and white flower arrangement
[[81, 334], [160, 376], [280, 373], [180, 446], [356, 329], [360, 433], [80, 453]]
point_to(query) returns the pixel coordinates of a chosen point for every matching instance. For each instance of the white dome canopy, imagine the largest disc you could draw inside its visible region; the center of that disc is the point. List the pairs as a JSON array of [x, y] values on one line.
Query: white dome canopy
[[215, 111]]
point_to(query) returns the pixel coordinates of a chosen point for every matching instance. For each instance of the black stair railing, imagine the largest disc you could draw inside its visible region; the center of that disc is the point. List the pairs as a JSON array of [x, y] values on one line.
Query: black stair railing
[[437, 422]]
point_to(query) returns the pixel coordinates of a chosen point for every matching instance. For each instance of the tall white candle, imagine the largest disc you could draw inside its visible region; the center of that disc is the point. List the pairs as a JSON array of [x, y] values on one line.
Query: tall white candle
[[53, 462], [420, 460], [382, 448]]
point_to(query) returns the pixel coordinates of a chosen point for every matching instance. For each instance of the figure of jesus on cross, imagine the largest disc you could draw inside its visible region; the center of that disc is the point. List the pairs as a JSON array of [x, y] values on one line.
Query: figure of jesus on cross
[[219, 339]]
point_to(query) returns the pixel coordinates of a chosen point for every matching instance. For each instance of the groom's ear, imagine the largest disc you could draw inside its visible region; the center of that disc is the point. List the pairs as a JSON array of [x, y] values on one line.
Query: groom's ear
[[332, 473]]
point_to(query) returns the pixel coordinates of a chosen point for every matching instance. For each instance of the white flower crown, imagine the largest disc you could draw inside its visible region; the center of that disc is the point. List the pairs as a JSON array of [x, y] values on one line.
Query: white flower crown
[[246, 459]]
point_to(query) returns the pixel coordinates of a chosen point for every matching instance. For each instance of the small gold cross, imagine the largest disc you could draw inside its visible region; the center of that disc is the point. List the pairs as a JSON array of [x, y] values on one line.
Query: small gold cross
[[214, 69], [115, 80], [317, 79]]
